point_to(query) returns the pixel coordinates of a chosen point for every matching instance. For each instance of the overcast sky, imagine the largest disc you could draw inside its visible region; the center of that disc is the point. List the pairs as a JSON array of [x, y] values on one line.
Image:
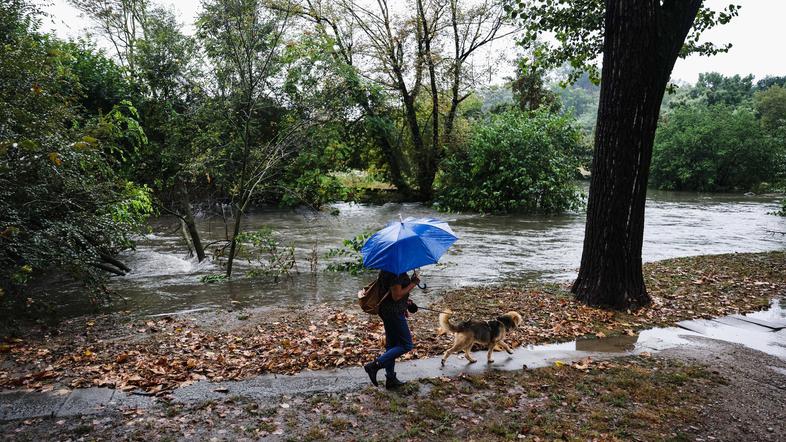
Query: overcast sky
[[758, 36]]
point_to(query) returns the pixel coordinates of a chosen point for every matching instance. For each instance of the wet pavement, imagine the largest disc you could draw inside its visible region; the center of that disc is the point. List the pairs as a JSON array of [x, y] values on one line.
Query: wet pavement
[[763, 331]]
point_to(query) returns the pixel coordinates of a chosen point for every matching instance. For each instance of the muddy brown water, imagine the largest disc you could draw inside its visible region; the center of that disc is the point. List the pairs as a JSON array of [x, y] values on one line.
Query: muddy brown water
[[490, 250]]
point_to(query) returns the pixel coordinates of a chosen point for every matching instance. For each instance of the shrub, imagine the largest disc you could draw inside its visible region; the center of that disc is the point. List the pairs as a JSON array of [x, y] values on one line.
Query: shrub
[[264, 250], [514, 162], [63, 207], [350, 253], [714, 148]]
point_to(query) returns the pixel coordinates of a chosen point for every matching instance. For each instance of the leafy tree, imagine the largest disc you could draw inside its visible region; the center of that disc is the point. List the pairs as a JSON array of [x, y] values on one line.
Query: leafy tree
[[714, 88], [121, 22], [580, 99], [713, 148], [769, 80], [640, 41], [102, 82], [771, 107], [529, 88], [514, 162], [420, 62], [243, 40], [63, 209], [168, 69]]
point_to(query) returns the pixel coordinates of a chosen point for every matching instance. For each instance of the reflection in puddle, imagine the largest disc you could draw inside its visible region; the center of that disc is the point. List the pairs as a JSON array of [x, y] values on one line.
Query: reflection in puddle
[[765, 339], [611, 344]]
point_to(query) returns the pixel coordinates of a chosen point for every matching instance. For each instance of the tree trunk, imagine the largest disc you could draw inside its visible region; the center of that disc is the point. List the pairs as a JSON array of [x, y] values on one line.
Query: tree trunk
[[233, 244], [430, 156], [641, 44], [188, 219], [239, 208]]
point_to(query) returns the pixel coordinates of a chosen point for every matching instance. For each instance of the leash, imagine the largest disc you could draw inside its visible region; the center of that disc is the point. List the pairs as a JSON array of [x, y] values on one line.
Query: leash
[[457, 310]]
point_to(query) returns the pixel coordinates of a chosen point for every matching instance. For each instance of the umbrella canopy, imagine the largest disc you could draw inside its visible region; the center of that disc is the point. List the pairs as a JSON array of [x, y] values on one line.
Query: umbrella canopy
[[407, 244]]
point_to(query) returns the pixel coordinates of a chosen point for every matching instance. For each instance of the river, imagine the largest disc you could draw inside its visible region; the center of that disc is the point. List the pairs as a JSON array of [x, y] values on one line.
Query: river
[[490, 250]]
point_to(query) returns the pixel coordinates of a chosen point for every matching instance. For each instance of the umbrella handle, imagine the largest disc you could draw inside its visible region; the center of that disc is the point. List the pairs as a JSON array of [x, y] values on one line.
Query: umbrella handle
[[422, 287]]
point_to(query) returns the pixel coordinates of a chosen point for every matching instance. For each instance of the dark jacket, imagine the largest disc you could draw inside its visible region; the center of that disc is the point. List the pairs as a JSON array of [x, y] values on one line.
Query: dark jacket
[[389, 306]]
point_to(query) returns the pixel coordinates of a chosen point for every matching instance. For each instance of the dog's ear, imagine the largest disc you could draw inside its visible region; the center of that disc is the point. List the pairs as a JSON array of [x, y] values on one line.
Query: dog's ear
[[515, 317]]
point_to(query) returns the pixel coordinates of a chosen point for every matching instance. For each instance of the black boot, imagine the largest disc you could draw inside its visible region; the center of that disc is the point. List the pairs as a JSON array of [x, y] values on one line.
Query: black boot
[[371, 369], [392, 382]]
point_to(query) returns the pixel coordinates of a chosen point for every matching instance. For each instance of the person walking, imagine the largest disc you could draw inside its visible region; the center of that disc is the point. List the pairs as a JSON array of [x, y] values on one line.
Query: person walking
[[393, 311]]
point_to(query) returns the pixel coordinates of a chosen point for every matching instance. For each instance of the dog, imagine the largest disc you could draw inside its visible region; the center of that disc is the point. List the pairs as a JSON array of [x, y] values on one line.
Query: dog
[[467, 333]]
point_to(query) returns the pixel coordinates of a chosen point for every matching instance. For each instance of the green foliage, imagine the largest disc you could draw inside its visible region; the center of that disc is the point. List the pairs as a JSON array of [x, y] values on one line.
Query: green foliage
[[263, 249], [714, 148], [529, 88], [578, 29], [514, 162], [713, 88], [312, 187], [350, 253], [769, 81], [214, 278], [771, 107], [308, 179], [101, 81], [580, 100], [62, 205]]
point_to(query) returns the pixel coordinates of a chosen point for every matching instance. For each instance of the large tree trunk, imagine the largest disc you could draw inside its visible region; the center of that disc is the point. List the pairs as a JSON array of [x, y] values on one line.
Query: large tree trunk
[[641, 44]]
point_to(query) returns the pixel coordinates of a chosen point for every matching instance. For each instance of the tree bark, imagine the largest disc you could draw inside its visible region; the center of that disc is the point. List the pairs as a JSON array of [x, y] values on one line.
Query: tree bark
[[429, 156], [641, 45], [239, 208], [188, 219]]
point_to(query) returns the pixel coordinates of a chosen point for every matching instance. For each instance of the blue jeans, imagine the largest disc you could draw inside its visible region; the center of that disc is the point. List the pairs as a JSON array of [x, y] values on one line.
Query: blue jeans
[[398, 341]]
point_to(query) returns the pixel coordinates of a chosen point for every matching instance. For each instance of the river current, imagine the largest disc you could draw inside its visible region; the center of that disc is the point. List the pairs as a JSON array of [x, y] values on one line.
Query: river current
[[490, 250]]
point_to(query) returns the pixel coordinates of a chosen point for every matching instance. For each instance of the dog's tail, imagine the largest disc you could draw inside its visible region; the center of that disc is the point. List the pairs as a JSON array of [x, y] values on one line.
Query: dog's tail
[[444, 322]]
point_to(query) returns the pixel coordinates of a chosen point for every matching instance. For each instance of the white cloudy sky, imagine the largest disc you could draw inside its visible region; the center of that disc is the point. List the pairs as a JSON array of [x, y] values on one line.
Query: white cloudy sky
[[757, 35]]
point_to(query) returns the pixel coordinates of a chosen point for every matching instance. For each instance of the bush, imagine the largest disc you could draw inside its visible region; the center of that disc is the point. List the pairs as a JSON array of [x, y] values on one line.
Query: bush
[[714, 148], [308, 179], [63, 208], [514, 162], [350, 252]]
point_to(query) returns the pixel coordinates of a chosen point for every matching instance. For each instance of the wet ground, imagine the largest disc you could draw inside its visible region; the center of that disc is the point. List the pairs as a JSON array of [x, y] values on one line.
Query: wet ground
[[763, 332], [491, 250]]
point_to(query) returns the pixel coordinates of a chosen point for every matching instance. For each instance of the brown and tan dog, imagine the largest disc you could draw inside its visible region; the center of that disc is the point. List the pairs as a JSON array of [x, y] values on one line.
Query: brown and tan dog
[[467, 333]]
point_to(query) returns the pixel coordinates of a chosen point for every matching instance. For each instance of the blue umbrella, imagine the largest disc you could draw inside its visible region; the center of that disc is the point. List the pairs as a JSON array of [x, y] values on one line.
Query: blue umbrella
[[407, 244]]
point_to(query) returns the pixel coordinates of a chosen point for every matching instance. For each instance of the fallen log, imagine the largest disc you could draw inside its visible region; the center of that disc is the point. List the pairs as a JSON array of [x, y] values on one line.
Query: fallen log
[[108, 268], [115, 262]]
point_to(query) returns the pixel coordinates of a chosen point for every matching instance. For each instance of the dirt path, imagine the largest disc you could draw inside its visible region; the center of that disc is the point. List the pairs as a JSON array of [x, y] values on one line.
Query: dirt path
[[751, 404]]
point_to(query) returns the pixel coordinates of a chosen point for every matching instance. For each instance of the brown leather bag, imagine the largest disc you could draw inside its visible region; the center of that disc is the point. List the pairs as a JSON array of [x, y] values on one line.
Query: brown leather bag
[[371, 297]]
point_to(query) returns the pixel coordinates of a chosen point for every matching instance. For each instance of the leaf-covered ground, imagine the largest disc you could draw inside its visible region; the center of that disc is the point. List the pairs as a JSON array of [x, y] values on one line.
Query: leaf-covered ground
[[634, 398], [161, 354]]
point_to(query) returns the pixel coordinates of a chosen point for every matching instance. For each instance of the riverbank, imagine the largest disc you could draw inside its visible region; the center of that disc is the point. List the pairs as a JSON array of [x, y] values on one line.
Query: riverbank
[[157, 355]]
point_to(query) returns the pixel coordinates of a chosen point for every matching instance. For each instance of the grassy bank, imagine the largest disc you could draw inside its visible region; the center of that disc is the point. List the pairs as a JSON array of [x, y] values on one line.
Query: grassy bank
[[160, 355]]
